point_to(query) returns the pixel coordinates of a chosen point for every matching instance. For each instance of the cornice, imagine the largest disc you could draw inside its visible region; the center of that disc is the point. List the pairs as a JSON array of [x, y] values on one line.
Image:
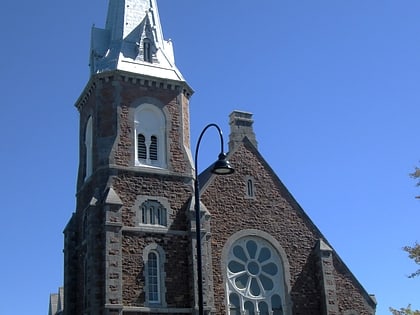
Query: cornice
[[141, 80]]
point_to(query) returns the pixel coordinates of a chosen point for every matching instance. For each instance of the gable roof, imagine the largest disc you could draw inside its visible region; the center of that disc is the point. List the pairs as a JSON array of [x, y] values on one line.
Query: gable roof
[[206, 178]]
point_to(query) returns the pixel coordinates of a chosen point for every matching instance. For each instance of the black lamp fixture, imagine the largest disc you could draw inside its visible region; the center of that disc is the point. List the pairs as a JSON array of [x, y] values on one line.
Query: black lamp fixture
[[220, 167]]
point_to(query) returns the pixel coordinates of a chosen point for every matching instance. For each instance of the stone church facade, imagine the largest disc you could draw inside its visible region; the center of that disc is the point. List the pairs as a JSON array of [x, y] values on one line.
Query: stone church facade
[[130, 245]]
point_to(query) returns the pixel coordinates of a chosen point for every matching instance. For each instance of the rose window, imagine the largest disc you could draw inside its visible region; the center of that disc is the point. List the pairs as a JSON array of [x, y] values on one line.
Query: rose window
[[255, 278]]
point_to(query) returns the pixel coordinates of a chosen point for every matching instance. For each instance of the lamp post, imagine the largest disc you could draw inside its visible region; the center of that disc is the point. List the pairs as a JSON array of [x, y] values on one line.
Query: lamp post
[[220, 167]]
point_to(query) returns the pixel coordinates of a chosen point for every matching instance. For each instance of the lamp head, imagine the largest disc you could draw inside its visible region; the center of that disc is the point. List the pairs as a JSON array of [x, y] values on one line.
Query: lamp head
[[222, 166]]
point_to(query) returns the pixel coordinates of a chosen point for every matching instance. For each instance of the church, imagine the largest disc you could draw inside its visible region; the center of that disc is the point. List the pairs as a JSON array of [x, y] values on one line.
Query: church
[[149, 235]]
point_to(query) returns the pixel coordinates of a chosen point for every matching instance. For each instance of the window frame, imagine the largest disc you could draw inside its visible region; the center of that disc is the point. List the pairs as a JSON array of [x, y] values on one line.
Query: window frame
[[250, 192], [140, 215], [281, 281], [153, 278], [153, 213], [150, 125], [155, 249]]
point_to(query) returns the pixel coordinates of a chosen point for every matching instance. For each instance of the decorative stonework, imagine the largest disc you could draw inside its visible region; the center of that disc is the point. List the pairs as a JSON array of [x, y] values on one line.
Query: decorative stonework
[[256, 273]]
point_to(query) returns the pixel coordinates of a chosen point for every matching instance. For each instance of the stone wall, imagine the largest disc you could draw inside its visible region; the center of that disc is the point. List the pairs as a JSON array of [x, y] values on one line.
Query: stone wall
[[273, 211], [104, 244]]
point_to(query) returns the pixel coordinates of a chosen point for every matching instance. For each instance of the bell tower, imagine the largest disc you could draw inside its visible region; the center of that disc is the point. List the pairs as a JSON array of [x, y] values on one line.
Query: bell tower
[[135, 174]]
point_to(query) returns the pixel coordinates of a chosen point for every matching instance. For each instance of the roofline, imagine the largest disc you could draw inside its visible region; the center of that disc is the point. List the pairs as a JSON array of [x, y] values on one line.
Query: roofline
[[135, 78], [289, 197]]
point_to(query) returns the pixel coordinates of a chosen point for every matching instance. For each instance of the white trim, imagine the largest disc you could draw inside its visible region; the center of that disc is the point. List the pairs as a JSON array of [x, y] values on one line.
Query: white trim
[[160, 254], [280, 285], [150, 121]]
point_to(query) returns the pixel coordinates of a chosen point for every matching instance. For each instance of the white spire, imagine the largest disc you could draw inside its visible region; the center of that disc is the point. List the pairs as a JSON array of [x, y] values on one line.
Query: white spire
[[133, 41]]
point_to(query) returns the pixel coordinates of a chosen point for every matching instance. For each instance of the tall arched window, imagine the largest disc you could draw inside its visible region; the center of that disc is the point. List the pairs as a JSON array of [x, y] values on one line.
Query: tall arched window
[[154, 274], [153, 278], [250, 188], [150, 130], [255, 278], [88, 148]]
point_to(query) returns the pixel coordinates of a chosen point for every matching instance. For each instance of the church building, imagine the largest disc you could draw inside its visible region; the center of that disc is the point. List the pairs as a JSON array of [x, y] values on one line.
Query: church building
[[130, 247]]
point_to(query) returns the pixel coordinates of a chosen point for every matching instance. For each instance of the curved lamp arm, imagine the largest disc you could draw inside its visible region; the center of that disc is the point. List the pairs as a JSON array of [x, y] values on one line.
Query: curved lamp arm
[[199, 141], [220, 167]]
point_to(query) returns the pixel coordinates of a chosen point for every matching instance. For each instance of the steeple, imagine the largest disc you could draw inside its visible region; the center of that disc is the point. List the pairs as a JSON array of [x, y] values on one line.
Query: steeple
[[133, 41]]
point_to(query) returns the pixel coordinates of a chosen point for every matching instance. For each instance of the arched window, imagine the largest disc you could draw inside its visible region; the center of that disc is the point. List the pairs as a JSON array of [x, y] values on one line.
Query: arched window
[[154, 274], [154, 213], [255, 278], [88, 148], [250, 187], [153, 278], [150, 130]]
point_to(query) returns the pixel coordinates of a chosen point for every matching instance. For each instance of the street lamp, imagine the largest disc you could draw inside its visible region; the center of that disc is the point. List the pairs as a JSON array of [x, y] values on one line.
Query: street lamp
[[220, 167]]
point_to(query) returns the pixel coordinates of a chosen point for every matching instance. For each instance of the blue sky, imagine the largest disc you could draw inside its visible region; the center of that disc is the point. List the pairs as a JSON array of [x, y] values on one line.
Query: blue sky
[[333, 86]]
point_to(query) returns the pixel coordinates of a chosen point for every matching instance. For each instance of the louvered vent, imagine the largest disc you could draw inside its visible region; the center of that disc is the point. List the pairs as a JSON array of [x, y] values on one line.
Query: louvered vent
[[153, 149], [141, 147]]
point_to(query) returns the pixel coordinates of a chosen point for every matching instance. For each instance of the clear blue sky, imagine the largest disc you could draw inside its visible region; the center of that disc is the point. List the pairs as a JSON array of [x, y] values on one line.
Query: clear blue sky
[[334, 88]]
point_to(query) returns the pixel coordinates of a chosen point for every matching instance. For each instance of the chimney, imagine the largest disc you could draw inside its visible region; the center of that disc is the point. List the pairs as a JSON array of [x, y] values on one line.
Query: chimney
[[241, 127]]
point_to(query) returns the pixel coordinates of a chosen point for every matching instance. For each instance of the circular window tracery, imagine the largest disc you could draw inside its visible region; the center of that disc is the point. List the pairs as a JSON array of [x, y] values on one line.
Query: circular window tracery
[[255, 278]]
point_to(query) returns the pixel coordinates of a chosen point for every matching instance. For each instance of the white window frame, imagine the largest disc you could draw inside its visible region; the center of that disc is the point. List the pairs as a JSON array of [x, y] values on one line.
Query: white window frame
[[161, 288], [149, 121], [241, 281]]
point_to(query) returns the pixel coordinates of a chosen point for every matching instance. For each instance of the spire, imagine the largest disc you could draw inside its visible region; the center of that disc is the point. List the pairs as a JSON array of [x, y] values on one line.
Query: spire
[[133, 41]]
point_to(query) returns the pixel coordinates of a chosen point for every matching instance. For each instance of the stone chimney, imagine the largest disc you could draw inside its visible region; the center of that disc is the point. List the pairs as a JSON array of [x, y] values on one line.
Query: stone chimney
[[241, 127]]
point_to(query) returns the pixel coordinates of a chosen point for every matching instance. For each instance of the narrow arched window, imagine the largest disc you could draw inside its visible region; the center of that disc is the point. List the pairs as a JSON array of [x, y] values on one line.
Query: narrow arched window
[[250, 187], [88, 148], [154, 275], [153, 280]]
